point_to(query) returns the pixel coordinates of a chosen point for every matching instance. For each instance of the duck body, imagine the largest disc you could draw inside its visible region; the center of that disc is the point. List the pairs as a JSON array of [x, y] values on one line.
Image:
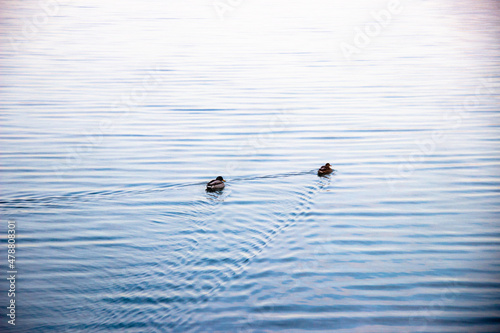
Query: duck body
[[325, 170], [216, 185]]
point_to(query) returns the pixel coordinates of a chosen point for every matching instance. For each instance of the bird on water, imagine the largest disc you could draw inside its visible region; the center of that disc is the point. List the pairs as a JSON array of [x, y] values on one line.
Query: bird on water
[[216, 184], [325, 170]]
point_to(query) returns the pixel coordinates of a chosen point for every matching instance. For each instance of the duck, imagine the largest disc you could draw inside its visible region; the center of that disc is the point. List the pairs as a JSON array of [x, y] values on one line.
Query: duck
[[216, 184], [325, 170]]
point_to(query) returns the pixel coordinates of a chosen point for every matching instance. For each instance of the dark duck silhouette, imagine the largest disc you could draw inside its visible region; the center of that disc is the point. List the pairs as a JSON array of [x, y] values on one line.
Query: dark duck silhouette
[[216, 185], [325, 170]]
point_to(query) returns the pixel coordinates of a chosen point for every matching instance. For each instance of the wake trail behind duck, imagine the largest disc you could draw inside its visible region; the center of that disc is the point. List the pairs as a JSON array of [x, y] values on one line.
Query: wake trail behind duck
[[246, 233], [27, 201]]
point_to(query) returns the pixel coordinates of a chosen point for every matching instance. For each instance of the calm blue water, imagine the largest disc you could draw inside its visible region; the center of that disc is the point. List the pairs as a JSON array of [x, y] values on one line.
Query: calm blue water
[[115, 114]]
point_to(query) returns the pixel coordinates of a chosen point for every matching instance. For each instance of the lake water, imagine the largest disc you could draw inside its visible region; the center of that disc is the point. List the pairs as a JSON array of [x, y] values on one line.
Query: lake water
[[115, 114]]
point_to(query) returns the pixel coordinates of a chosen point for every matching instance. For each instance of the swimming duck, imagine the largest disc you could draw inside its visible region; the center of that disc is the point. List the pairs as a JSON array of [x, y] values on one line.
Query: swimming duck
[[216, 185], [325, 169]]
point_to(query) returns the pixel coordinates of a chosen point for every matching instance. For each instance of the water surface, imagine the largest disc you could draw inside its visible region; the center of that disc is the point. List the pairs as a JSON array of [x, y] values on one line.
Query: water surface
[[115, 115]]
